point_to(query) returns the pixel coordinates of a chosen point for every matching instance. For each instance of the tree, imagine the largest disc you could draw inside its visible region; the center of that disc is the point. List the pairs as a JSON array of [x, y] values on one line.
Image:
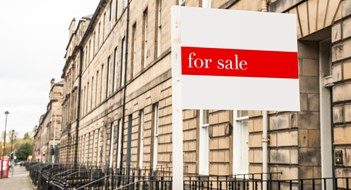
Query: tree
[[26, 136], [24, 150], [24, 147]]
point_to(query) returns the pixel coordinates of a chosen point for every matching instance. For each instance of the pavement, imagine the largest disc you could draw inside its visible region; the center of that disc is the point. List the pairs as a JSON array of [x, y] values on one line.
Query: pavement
[[19, 180]]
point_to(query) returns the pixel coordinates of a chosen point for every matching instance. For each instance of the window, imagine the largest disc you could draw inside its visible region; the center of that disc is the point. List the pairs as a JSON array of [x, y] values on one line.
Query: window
[[116, 9], [101, 79], [88, 155], [141, 138], [155, 142], [96, 88], [133, 50], [114, 77], [103, 27], [110, 15], [206, 3], [86, 57], [92, 93], [159, 28], [108, 76], [119, 144], [240, 142], [181, 2], [144, 39], [123, 57], [98, 38], [94, 43], [125, 3], [204, 142], [89, 52], [83, 100], [111, 144], [99, 150], [91, 162], [87, 99]]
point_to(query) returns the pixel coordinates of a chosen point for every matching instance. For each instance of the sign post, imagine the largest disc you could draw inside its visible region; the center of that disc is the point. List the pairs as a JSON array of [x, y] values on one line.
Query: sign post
[[177, 119], [226, 59]]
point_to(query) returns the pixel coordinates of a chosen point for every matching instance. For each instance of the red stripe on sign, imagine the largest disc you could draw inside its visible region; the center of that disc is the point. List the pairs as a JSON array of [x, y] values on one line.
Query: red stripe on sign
[[239, 63]]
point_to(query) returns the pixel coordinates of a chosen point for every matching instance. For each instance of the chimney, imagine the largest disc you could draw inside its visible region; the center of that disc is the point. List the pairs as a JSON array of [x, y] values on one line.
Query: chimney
[[72, 27], [52, 82]]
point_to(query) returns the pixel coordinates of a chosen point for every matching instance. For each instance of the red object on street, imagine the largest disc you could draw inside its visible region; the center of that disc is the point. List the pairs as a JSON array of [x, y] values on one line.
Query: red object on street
[[4, 167]]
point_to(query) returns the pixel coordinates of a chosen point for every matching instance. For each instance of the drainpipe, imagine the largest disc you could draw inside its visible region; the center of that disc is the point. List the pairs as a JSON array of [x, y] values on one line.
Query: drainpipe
[[265, 148], [124, 93], [264, 129], [78, 106]]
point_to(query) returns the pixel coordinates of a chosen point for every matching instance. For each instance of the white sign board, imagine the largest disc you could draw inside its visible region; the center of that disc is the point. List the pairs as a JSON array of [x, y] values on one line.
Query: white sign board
[[241, 60], [226, 59]]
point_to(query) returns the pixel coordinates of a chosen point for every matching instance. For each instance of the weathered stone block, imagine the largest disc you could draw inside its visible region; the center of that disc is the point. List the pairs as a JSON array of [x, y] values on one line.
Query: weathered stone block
[[255, 168], [256, 156], [347, 70], [255, 140], [218, 3], [336, 32], [309, 84], [306, 172], [254, 113], [346, 28], [341, 50], [308, 50], [287, 138], [303, 102], [337, 72], [257, 123], [348, 157], [303, 140], [273, 139], [313, 102], [342, 135], [223, 143], [250, 125], [294, 156], [338, 114], [223, 169], [314, 138], [309, 156], [217, 156], [308, 120], [251, 156], [342, 92], [346, 8], [347, 113], [288, 172], [310, 67], [279, 156], [309, 138], [213, 144], [281, 121]]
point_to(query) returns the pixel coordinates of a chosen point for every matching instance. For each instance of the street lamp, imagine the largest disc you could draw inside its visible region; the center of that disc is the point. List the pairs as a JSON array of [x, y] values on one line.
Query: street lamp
[[12, 134], [3, 146]]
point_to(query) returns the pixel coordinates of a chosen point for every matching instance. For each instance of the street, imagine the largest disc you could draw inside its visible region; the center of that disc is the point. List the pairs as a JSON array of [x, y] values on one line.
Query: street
[[18, 181]]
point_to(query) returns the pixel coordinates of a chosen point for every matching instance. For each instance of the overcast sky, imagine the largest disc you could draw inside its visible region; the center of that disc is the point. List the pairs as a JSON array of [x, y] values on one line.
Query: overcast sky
[[33, 38]]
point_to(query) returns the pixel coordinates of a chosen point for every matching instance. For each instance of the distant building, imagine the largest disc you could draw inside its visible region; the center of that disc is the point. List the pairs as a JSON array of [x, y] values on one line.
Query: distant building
[[117, 108], [47, 133]]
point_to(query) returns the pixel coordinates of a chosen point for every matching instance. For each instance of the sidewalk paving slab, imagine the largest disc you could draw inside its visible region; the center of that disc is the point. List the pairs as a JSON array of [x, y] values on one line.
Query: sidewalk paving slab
[[20, 180]]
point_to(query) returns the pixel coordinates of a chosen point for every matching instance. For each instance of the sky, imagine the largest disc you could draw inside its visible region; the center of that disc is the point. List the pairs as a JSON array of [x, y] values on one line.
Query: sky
[[33, 39]]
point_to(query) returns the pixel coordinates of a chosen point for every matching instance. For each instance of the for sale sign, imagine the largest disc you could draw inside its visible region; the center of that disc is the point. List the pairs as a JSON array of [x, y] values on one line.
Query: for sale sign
[[231, 59]]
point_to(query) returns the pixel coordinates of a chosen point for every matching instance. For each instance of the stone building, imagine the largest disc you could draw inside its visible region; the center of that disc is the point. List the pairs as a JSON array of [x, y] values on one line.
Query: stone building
[[117, 108], [48, 132]]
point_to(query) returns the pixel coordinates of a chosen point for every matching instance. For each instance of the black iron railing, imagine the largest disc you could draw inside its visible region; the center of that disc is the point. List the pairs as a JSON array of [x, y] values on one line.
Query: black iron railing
[[64, 177]]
